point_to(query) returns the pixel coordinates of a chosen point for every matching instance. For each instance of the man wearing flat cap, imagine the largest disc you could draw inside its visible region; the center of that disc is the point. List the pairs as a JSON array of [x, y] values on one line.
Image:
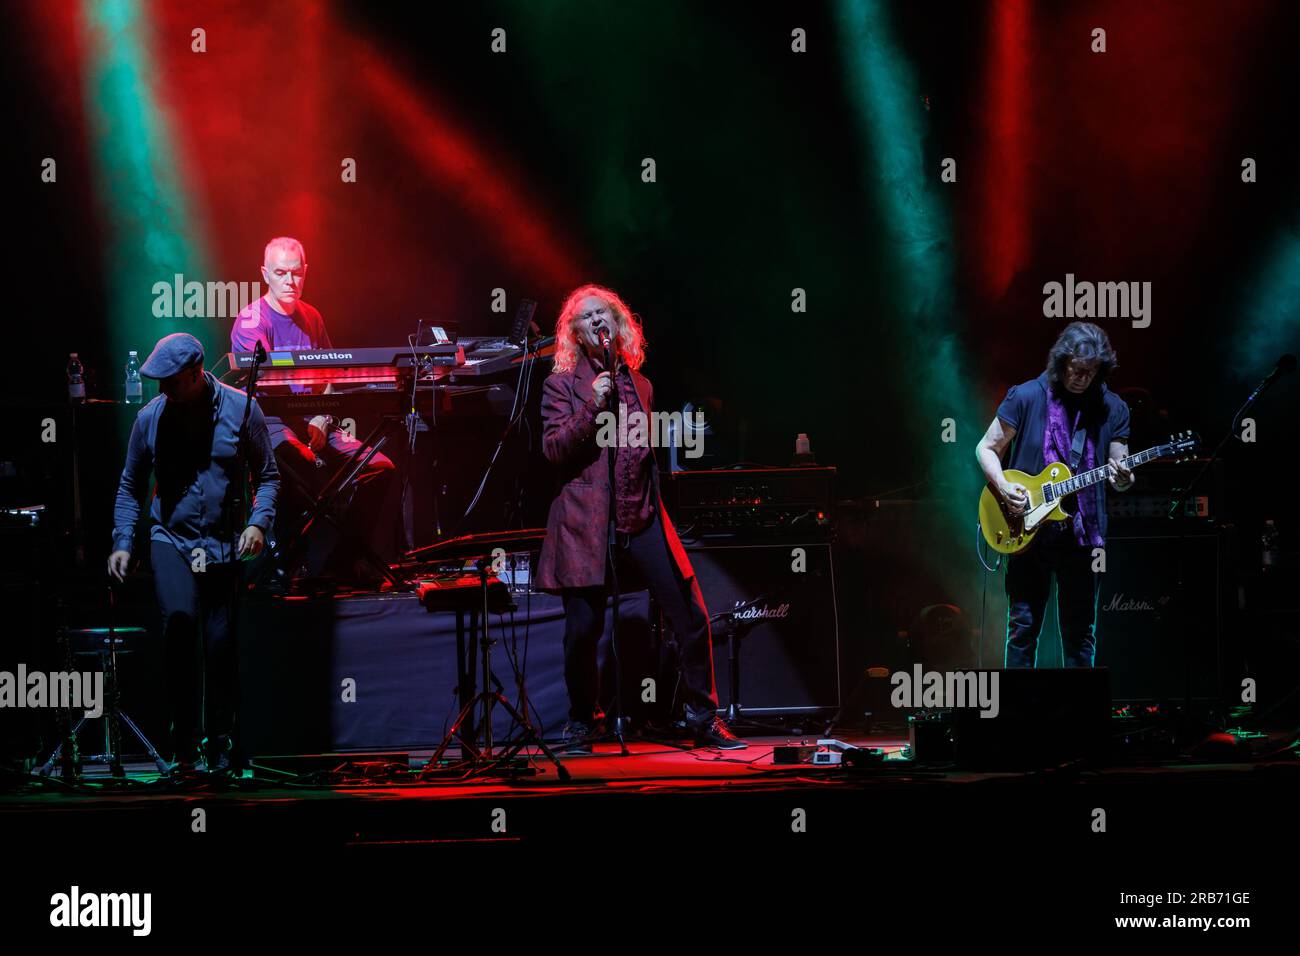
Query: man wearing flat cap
[[189, 437]]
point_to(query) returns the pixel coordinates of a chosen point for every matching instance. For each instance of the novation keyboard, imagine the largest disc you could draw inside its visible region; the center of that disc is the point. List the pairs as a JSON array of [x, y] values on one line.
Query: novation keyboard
[[387, 400], [382, 402], [400, 356], [473, 357], [343, 366]]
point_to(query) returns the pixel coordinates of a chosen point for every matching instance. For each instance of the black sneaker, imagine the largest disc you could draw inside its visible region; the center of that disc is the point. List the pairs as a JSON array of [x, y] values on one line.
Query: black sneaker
[[179, 770], [710, 730], [219, 754], [576, 738]]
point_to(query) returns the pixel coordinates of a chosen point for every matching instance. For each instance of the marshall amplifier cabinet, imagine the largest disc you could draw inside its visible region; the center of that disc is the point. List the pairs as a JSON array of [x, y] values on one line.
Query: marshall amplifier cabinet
[[1141, 634], [778, 599], [753, 503]]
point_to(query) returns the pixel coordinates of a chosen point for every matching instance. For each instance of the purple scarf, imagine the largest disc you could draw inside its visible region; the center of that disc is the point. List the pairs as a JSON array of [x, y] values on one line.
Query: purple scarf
[[1057, 442]]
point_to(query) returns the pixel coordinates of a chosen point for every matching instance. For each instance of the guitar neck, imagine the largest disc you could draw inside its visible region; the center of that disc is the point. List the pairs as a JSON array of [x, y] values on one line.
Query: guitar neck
[[1087, 478]]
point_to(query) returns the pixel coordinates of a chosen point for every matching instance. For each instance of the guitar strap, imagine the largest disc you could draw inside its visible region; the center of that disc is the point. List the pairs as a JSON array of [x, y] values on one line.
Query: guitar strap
[[1076, 450], [1080, 439]]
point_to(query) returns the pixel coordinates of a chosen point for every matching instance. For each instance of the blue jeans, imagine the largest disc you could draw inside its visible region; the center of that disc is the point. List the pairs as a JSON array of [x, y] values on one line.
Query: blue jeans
[[1029, 582]]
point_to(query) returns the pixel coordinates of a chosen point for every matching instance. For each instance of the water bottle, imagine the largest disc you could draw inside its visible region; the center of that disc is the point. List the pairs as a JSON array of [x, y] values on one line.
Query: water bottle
[[1272, 554], [134, 387], [76, 380]]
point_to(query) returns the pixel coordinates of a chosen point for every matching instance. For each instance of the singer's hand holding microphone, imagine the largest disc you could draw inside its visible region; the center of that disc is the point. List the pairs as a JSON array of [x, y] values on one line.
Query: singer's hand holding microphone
[[604, 382], [601, 387]]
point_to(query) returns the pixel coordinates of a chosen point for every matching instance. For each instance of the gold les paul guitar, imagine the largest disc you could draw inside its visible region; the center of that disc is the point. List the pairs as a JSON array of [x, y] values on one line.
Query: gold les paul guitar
[[1008, 531]]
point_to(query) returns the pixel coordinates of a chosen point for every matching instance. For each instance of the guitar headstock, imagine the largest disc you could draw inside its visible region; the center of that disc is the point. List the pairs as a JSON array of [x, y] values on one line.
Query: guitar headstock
[[1181, 446]]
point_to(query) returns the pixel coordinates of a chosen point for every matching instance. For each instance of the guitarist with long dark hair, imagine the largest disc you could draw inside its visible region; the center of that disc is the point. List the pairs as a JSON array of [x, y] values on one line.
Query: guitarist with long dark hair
[[1066, 415]]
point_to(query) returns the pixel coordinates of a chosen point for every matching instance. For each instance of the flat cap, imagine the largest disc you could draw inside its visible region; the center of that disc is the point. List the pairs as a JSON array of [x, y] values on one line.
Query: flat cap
[[173, 353]]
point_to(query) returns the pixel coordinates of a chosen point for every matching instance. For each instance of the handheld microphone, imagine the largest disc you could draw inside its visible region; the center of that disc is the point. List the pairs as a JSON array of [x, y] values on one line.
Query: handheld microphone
[[259, 353], [605, 345]]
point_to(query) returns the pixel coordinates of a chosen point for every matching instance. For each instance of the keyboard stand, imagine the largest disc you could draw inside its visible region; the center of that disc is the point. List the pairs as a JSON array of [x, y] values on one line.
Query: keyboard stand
[[289, 553]]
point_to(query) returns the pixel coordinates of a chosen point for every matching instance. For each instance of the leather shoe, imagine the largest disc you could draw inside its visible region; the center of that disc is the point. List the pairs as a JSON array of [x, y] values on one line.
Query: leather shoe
[[710, 730], [576, 738]]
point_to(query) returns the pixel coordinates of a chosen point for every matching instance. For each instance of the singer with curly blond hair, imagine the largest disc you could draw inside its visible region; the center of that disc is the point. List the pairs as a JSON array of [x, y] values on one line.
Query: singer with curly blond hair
[[600, 347]]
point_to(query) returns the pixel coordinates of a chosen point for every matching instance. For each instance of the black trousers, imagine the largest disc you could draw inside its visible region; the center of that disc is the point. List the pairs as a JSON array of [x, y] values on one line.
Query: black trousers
[[1029, 582], [200, 655], [682, 603]]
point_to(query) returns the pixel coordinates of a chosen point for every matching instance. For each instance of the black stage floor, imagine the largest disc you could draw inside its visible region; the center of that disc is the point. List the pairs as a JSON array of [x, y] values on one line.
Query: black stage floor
[[908, 837]]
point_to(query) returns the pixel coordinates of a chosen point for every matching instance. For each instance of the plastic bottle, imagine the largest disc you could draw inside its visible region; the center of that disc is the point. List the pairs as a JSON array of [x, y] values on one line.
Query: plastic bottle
[[134, 387], [1272, 552], [76, 380]]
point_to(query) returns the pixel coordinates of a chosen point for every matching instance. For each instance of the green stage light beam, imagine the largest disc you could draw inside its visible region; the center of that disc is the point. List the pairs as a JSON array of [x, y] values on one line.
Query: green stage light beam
[[918, 250], [1270, 321], [151, 230]]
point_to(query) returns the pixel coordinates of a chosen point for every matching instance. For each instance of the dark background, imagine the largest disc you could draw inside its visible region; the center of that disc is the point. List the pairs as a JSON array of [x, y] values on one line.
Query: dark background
[[1123, 167]]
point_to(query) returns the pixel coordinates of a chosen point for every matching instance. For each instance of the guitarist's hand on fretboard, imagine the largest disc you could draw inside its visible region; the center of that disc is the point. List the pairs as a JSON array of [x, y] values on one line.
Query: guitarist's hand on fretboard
[[1119, 477]]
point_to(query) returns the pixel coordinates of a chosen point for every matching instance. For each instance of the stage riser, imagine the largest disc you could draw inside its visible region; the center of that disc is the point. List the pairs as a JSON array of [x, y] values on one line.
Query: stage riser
[[1046, 716], [295, 656]]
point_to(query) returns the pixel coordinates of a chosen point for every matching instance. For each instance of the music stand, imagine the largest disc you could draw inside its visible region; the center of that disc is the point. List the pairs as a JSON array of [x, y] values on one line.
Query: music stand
[[490, 596]]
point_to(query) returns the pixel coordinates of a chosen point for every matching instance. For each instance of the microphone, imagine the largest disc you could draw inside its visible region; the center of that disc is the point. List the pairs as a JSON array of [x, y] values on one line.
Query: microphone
[[259, 353], [1284, 365], [605, 345]]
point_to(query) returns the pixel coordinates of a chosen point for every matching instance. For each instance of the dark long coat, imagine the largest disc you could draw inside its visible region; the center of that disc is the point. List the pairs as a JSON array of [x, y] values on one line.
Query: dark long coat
[[573, 554]]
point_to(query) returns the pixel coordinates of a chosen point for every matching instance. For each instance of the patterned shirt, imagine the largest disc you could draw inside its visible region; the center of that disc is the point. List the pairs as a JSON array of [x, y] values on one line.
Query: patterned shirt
[[634, 505]]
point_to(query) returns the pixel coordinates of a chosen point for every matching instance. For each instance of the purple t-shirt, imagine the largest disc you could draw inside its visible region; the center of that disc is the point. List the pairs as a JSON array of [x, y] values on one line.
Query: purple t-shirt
[[303, 330]]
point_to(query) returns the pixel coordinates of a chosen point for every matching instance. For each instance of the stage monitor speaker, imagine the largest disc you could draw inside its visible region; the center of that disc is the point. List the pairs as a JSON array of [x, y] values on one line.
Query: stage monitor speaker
[[1046, 717], [1140, 634], [789, 658]]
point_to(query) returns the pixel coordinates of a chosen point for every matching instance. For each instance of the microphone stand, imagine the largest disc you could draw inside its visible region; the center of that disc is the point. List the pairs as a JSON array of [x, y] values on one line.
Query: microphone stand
[[611, 556], [1178, 513], [237, 518], [621, 722], [418, 368], [735, 629]]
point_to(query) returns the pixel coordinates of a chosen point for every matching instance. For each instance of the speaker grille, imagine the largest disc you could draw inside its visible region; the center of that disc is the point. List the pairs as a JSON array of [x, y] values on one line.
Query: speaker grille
[[789, 656]]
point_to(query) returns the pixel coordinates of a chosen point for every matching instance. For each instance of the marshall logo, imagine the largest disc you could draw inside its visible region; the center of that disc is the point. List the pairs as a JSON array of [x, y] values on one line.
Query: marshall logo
[[764, 613], [1117, 603]]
